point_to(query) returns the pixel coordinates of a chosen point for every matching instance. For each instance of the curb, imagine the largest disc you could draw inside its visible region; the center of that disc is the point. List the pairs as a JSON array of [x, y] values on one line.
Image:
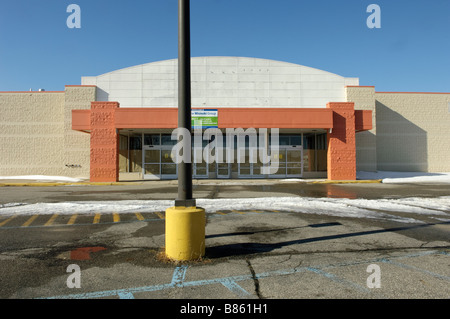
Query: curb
[[369, 181], [53, 184], [66, 184]]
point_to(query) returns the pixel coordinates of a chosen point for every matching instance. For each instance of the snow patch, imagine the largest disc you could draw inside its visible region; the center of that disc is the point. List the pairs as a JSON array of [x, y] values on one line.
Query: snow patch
[[42, 178], [339, 207], [390, 177]]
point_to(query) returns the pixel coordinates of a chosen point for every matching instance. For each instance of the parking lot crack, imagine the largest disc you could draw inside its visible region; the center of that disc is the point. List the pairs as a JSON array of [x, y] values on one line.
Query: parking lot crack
[[298, 265], [255, 279]]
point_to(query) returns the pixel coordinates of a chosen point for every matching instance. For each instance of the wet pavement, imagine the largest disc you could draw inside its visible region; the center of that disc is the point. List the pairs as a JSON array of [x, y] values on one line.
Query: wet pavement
[[218, 189]]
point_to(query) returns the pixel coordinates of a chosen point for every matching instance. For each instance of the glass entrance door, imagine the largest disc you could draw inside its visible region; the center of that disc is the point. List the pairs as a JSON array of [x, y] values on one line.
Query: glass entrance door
[[168, 165], [199, 164], [290, 156], [294, 156], [256, 166], [151, 164], [157, 157], [250, 165], [223, 170], [289, 162], [159, 164], [244, 165], [281, 172]]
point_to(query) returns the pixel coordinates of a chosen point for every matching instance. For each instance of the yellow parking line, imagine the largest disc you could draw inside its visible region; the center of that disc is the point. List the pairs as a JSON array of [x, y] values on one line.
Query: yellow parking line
[[235, 211], [220, 213], [257, 211], [30, 220], [160, 215], [3, 223], [97, 218], [139, 216], [276, 211], [51, 220], [72, 219], [116, 217]]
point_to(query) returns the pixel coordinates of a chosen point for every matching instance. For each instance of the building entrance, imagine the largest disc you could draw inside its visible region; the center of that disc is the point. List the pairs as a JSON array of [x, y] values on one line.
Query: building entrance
[[151, 155], [158, 157]]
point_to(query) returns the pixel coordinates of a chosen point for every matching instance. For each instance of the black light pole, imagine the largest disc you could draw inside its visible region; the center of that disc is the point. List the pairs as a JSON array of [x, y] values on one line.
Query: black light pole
[[184, 102], [185, 223]]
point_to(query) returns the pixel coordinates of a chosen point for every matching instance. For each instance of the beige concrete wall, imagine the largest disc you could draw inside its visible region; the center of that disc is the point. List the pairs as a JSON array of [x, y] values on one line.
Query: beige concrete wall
[[413, 132], [36, 136], [77, 144], [366, 142], [410, 132], [31, 133]]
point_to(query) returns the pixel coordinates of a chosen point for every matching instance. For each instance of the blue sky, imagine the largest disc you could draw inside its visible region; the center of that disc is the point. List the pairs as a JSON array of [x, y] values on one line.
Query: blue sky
[[410, 52]]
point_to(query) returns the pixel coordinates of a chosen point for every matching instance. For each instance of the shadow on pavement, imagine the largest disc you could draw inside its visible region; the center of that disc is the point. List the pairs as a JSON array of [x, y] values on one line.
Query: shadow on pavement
[[238, 249]]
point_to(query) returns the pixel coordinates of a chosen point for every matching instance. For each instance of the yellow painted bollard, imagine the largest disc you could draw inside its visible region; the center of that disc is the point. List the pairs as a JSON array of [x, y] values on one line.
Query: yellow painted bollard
[[185, 233]]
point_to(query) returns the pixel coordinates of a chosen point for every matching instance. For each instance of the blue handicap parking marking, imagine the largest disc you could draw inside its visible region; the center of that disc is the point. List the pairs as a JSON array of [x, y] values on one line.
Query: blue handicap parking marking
[[232, 282]]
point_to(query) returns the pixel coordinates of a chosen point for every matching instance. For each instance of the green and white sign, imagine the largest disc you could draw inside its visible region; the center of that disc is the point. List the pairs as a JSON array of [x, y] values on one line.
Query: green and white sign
[[202, 119]]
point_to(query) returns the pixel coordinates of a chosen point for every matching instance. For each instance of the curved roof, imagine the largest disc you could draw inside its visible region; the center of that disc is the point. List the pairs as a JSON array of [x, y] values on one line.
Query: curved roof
[[223, 82]]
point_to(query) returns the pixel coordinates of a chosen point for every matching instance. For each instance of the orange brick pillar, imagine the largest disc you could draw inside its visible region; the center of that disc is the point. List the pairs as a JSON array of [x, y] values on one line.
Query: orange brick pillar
[[341, 154], [104, 143]]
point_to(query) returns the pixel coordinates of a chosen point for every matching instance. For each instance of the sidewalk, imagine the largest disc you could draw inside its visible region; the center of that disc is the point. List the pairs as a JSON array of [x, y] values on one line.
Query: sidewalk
[[362, 177], [49, 183]]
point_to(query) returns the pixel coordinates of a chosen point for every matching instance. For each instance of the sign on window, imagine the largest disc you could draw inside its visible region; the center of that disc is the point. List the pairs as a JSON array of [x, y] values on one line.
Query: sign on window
[[202, 119]]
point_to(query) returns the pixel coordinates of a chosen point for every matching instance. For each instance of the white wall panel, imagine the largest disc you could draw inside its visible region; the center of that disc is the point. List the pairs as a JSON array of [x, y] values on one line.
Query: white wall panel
[[223, 82]]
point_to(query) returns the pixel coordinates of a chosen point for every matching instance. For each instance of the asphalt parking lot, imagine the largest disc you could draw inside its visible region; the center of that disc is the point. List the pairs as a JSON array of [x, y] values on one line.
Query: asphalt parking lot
[[251, 254]]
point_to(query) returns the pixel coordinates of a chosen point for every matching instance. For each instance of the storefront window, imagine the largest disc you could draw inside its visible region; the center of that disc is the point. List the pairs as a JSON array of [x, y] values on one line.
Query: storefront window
[[321, 152], [306, 152], [288, 140], [314, 152], [136, 142], [130, 152], [166, 140], [152, 139]]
